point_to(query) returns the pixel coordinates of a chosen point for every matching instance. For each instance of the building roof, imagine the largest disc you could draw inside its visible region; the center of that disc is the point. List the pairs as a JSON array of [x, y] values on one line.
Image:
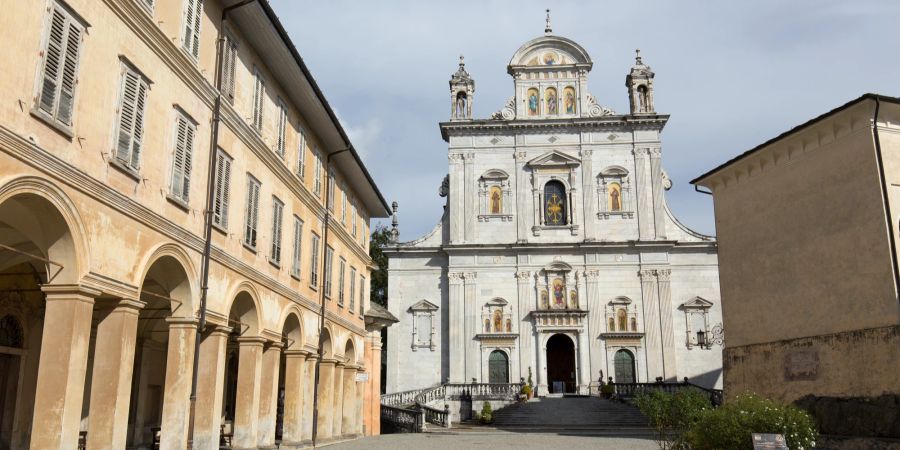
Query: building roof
[[800, 127], [269, 39]]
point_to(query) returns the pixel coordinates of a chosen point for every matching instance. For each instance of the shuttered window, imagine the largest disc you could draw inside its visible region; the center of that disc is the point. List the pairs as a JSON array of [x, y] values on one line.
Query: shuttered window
[[282, 129], [59, 76], [331, 190], [341, 268], [185, 130], [193, 11], [352, 289], [344, 205], [314, 261], [317, 186], [229, 62], [353, 218], [362, 294], [329, 256], [277, 212], [130, 124], [298, 239], [301, 156], [222, 186], [259, 93], [252, 217]]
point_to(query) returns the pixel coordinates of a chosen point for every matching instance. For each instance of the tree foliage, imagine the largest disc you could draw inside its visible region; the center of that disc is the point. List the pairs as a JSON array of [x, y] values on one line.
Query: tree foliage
[[381, 238]]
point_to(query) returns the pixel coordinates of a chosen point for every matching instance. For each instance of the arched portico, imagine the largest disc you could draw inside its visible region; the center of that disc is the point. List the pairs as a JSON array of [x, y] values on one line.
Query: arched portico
[[243, 370], [294, 377]]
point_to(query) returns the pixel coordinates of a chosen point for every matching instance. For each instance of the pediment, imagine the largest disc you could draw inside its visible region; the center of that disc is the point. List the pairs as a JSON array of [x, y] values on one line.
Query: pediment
[[558, 266], [621, 300], [497, 302], [554, 159], [697, 303], [423, 305]]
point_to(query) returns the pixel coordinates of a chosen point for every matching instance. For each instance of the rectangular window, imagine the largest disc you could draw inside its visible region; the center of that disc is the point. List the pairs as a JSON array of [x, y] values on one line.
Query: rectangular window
[[282, 129], [259, 93], [329, 256], [185, 129], [222, 186], [277, 211], [344, 205], [362, 294], [298, 239], [331, 190], [252, 212], [353, 218], [193, 11], [229, 63], [56, 99], [352, 289], [341, 267], [314, 261], [317, 186], [130, 125], [301, 157]]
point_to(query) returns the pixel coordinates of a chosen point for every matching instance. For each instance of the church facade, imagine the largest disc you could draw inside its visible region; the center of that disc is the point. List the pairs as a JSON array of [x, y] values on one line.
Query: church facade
[[556, 259]]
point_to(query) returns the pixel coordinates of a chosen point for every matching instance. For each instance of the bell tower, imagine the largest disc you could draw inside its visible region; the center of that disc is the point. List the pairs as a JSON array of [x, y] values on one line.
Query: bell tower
[[462, 92], [640, 87]]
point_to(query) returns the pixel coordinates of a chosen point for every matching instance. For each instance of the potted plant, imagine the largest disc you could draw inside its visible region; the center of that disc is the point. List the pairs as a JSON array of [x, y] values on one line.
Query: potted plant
[[526, 392], [607, 390], [487, 414]]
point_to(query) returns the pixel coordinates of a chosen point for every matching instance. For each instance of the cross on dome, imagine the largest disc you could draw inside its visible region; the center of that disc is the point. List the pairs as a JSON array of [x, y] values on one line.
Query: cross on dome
[[548, 29]]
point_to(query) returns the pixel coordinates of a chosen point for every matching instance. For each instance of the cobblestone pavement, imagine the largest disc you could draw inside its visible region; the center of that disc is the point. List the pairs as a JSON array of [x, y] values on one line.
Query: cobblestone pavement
[[567, 440]]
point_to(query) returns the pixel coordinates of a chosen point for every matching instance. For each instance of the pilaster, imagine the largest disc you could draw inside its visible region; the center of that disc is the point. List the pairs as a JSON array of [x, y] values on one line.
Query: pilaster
[[526, 303], [456, 200], [643, 194], [457, 349], [590, 200], [471, 197], [659, 213], [652, 329], [665, 318], [473, 354], [521, 157]]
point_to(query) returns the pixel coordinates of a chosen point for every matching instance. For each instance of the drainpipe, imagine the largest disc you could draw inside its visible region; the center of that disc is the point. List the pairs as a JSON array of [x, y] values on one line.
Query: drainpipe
[[210, 198], [325, 276]]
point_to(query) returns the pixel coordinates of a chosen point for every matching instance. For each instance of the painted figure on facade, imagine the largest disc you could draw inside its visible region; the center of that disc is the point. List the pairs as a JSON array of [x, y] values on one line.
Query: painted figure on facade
[[496, 200], [559, 293], [508, 325], [545, 300], [573, 300], [532, 102], [551, 101], [570, 100], [615, 195], [487, 325], [498, 321]]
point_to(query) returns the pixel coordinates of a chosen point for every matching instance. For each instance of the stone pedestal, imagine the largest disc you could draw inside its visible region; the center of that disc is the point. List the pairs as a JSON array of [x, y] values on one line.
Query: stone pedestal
[[294, 398], [210, 389], [246, 410], [268, 394], [111, 375], [63, 362], [177, 393]]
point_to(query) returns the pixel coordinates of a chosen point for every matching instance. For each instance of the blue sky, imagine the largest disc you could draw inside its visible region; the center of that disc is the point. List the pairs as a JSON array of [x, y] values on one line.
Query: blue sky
[[731, 74]]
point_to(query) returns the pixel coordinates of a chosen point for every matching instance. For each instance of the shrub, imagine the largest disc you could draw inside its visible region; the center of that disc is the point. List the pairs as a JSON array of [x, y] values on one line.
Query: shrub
[[671, 415], [731, 425], [487, 415], [526, 389], [607, 389]]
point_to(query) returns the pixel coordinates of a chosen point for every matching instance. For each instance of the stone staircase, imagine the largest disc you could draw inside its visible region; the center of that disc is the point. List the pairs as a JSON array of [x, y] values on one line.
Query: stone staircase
[[589, 413]]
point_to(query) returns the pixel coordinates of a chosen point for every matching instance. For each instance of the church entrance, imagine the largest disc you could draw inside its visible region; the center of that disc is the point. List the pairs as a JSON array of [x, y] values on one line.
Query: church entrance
[[560, 364], [624, 364], [498, 367]]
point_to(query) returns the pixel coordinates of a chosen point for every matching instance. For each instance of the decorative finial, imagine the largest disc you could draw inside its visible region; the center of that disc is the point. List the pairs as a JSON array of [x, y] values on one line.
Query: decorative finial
[[548, 29], [462, 61], [637, 56], [395, 232]]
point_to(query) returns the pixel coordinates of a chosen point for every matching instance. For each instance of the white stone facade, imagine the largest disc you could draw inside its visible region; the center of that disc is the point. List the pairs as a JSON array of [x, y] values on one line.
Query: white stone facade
[[555, 224]]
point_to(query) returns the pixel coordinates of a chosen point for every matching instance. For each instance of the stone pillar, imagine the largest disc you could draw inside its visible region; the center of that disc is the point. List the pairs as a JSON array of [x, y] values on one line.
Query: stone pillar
[[112, 372], [526, 304], [653, 344], [359, 388], [457, 346], [471, 191], [309, 389], [294, 396], [473, 322], [659, 213], [210, 389], [595, 318], [63, 363], [268, 394], [177, 393], [348, 409], [643, 194], [456, 200], [326, 388], [246, 404], [338, 404], [667, 333], [372, 398], [521, 196], [539, 357], [590, 193], [584, 365]]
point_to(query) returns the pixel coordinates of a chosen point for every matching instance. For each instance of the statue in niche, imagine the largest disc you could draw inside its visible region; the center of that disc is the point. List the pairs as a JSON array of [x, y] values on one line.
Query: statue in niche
[[545, 300], [633, 324], [508, 326], [573, 300], [487, 325], [559, 293], [612, 325], [643, 99], [570, 101], [551, 101], [532, 102], [461, 107]]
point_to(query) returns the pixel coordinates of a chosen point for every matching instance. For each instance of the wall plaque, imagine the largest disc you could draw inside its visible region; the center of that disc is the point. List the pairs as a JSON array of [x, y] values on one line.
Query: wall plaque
[[769, 441], [801, 365]]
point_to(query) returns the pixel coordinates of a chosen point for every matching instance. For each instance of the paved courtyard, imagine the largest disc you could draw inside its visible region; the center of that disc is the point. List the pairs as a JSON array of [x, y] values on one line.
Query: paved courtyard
[[500, 440]]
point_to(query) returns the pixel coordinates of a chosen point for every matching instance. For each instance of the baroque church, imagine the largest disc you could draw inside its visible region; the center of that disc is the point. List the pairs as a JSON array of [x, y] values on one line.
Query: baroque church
[[557, 259]]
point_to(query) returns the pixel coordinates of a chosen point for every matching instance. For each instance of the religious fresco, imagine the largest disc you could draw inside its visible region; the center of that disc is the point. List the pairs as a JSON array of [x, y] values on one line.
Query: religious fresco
[[569, 100], [545, 300], [550, 59], [496, 200], [573, 300], [533, 102], [487, 325], [508, 325], [559, 293], [615, 197], [498, 321], [550, 98]]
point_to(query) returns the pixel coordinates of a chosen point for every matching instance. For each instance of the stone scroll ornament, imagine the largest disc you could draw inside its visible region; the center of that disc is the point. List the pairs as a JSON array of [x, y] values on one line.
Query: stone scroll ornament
[[718, 335], [595, 110], [508, 112]]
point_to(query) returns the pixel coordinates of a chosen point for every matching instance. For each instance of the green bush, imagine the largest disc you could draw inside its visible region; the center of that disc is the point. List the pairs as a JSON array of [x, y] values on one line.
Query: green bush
[[526, 389], [731, 425], [671, 415], [607, 389], [487, 414]]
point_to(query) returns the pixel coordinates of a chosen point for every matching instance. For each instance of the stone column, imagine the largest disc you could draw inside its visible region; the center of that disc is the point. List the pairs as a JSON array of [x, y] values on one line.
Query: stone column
[[652, 342], [246, 403], [111, 375], [584, 365], [643, 194], [457, 349], [372, 398], [326, 388], [667, 333], [521, 157], [338, 404], [210, 389], [268, 394], [348, 409], [595, 323], [359, 402], [473, 320], [177, 393], [309, 389], [526, 304], [294, 398], [63, 363], [659, 213]]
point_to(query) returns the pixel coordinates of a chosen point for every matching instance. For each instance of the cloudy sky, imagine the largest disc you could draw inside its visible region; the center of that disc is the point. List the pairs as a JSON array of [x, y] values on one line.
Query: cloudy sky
[[731, 74]]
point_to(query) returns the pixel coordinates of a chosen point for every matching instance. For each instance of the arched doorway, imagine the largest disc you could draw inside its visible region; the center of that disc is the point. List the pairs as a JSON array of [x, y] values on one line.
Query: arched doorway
[[498, 367], [560, 364], [624, 365]]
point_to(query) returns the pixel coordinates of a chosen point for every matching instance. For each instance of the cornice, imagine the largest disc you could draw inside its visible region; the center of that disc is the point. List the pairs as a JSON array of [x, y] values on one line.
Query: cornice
[[650, 122]]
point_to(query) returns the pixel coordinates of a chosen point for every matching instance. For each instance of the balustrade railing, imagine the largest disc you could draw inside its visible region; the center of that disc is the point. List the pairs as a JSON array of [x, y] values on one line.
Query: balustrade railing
[[400, 398], [418, 410], [628, 391], [436, 416], [402, 419]]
